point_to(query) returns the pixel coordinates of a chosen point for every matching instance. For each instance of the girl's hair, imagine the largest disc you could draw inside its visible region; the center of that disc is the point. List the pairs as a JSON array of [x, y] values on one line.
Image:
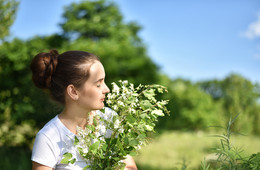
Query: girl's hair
[[56, 71]]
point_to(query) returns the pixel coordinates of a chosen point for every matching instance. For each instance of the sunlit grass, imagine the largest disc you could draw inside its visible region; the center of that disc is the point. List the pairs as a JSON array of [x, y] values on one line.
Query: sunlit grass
[[167, 151], [173, 149]]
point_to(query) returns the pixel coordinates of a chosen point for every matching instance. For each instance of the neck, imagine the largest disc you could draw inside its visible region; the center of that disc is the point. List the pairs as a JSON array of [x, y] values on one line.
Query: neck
[[72, 118]]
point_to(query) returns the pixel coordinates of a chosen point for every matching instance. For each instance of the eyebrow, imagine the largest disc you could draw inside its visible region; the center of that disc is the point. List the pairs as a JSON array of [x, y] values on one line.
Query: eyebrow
[[99, 80]]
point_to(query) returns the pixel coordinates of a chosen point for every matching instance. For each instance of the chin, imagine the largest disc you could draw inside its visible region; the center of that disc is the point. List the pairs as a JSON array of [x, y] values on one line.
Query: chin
[[100, 106]]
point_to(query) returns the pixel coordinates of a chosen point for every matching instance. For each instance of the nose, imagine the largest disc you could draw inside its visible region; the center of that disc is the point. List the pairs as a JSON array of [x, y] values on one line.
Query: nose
[[106, 89]]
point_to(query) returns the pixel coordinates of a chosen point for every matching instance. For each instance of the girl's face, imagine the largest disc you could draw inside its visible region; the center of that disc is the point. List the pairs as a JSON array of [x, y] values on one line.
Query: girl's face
[[92, 94]]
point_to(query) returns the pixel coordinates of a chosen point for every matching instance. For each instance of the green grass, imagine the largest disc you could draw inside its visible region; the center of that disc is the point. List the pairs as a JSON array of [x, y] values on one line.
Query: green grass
[[176, 150], [170, 150]]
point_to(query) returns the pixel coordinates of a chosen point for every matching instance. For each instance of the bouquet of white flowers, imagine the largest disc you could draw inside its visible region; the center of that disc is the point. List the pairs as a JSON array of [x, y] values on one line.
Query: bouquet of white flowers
[[112, 137]]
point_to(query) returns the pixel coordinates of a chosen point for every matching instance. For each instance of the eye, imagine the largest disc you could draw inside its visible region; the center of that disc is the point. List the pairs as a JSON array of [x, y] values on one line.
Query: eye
[[99, 85]]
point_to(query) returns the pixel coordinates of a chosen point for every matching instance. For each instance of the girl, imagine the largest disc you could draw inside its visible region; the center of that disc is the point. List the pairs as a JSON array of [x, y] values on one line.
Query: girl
[[76, 79]]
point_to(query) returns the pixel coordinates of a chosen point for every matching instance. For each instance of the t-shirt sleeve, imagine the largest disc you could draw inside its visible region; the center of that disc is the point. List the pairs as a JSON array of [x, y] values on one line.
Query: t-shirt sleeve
[[43, 151]]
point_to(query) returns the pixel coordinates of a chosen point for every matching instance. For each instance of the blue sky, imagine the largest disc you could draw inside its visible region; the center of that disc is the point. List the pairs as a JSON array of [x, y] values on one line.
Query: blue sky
[[195, 40]]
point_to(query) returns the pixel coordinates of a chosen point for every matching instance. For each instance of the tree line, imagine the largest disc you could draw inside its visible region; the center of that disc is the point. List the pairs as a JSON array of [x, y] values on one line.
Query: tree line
[[98, 27]]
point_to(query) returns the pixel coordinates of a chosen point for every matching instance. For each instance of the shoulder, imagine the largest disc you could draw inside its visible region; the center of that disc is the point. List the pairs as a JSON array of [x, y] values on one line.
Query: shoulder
[[50, 129], [45, 150], [49, 143], [49, 132]]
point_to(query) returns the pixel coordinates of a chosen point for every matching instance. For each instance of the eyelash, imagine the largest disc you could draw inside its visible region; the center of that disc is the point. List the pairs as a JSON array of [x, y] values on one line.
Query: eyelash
[[99, 85]]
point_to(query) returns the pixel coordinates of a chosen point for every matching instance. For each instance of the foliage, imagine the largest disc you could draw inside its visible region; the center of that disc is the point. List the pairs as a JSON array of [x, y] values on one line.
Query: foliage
[[15, 158], [192, 108], [98, 27], [253, 162], [24, 109], [114, 136], [165, 151], [22, 106], [229, 156], [238, 95], [8, 10]]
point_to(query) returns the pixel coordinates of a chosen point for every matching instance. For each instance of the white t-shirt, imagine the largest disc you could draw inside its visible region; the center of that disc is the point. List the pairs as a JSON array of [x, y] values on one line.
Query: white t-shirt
[[55, 139]]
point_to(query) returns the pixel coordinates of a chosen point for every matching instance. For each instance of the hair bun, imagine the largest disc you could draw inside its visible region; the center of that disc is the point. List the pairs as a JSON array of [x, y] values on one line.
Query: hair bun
[[43, 66]]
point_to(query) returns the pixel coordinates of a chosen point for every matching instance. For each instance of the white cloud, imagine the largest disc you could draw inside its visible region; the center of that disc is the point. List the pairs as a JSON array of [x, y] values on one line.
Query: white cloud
[[253, 30]]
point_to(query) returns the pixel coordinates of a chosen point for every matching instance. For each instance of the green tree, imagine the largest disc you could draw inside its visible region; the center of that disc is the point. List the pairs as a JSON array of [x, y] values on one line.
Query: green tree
[[24, 108], [191, 108], [239, 95], [98, 27], [8, 10]]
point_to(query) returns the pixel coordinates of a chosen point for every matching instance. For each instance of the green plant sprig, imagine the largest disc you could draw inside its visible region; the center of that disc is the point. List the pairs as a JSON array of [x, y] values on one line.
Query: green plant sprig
[[124, 130]]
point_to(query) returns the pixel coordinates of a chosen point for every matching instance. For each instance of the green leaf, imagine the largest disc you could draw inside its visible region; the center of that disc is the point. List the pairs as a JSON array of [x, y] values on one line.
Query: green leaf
[[142, 136], [131, 99], [73, 161], [157, 112], [102, 110], [160, 90], [130, 119], [133, 142], [148, 127], [66, 157], [144, 115], [91, 127], [145, 104], [132, 153], [126, 141], [76, 140], [86, 167], [95, 122], [104, 147], [115, 118], [93, 148], [116, 158], [149, 93]]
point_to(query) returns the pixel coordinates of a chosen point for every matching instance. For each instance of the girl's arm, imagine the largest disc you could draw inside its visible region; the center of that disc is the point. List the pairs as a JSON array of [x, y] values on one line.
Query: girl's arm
[[37, 166]]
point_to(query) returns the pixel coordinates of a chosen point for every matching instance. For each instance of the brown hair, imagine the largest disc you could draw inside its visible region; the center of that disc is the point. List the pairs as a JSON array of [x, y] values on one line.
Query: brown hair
[[55, 72]]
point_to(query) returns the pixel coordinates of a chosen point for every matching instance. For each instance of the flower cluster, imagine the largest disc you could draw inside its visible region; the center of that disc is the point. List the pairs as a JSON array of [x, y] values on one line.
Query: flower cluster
[[122, 131]]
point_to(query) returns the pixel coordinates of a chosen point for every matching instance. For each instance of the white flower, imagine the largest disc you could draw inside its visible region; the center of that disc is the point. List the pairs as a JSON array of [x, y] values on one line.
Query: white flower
[[115, 107], [97, 134], [94, 140], [82, 132], [85, 149], [102, 129], [125, 82], [121, 130], [132, 110], [120, 103], [102, 138], [115, 89], [116, 124], [131, 86]]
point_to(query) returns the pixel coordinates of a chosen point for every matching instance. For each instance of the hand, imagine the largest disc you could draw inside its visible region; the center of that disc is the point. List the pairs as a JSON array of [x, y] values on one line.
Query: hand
[[130, 163]]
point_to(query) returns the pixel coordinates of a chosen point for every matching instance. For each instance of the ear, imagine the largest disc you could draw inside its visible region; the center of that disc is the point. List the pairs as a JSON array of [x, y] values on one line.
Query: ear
[[72, 92]]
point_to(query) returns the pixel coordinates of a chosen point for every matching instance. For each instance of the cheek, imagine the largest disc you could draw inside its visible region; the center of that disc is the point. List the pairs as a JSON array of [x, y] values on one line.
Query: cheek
[[90, 94], [91, 99]]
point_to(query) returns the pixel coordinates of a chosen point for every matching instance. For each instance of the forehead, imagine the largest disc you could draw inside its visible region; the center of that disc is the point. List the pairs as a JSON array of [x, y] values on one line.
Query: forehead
[[96, 71]]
